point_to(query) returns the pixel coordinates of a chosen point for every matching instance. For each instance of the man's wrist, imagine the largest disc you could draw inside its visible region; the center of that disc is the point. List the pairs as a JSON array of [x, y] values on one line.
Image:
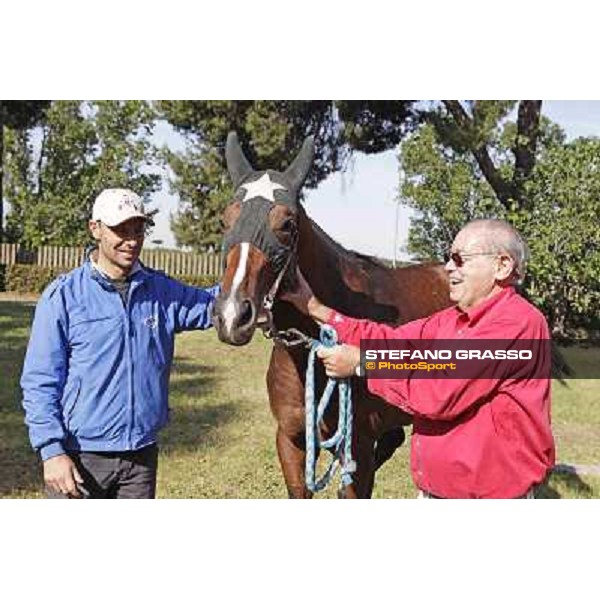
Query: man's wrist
[[51, 450], [318, 311]]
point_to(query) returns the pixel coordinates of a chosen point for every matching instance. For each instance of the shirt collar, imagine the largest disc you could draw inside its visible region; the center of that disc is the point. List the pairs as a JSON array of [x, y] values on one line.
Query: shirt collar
[[474, 314], [96, 267]]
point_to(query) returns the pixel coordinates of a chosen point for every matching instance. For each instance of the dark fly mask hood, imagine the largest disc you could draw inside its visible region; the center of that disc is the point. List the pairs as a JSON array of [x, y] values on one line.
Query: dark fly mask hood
[[258, 192], [252, 225]]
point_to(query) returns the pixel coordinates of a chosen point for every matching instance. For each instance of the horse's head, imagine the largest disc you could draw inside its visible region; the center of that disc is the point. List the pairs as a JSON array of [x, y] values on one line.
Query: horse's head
[[261, 232]]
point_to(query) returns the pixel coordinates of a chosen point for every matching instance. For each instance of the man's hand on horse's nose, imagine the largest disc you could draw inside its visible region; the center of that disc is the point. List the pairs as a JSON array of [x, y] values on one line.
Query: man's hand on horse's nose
[[340, 361]]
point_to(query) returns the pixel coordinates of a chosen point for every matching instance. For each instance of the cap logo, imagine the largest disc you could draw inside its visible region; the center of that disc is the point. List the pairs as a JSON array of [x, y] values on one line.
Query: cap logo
[[128, 201], [113, 206]]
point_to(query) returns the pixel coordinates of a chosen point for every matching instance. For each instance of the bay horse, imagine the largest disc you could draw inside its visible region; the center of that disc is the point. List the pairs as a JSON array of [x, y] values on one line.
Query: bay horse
[[268, 234]]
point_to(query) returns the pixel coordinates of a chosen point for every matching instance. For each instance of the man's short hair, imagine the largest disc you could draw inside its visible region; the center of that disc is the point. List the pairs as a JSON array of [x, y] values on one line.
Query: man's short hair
[[503, 237]]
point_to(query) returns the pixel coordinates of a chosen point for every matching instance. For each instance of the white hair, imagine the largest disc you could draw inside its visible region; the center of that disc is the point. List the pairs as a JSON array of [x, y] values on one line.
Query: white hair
[[501, 236]]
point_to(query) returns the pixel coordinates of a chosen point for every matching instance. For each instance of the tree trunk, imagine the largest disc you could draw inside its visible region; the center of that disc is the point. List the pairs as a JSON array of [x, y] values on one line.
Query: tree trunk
[[528, 125], [528, 129], [501, 187]]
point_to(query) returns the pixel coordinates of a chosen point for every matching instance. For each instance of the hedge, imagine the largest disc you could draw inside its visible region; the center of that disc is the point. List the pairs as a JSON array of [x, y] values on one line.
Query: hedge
[[198, 280], [34, 279], [28, 278]]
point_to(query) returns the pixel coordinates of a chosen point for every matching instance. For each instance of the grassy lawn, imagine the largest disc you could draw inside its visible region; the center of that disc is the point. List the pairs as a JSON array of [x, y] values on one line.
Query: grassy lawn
[[220, 442]]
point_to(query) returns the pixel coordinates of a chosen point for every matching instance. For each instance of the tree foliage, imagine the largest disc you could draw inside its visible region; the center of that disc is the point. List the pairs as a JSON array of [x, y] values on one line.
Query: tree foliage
[[21, 114], [446, 189], [550, 197], [16, 115], [54, 172], [271, 132], [460, 160], [563, 234]]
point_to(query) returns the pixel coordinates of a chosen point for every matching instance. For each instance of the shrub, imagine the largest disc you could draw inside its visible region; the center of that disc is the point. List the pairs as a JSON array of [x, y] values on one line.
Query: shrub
[[29, 278], [34, 278], [198, 280]]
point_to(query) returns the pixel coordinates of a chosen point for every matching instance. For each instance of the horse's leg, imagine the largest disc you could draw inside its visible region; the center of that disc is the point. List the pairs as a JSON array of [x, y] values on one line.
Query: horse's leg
[[292, 459], [364, 476], [286, 396], [371, 422], [387, 445], [362, 450], [369, 457]]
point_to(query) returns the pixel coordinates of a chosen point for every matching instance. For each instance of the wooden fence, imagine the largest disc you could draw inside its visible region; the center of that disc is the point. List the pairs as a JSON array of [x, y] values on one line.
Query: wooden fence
[[173, 262]]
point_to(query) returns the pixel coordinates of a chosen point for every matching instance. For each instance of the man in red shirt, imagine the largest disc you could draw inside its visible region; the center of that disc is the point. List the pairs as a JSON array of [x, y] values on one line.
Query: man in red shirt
[[472, 438]]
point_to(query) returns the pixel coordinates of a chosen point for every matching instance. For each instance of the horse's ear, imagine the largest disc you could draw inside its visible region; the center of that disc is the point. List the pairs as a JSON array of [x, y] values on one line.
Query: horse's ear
[[237, 164], [296, 173]]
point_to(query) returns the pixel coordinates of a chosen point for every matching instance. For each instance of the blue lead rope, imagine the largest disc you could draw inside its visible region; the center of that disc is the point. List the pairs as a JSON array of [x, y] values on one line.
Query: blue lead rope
[[341, 441]]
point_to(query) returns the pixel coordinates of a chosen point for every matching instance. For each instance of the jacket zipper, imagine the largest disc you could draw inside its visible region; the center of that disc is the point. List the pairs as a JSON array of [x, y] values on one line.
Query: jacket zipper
[[128, 349]]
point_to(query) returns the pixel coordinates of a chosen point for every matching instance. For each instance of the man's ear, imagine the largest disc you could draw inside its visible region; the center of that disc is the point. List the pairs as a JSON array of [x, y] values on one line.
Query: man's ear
[[95, 229], [505, 269]]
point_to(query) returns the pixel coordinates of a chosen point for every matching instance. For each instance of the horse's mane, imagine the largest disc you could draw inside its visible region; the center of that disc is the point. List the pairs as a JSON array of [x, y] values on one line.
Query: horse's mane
[[358, 284], [364, 259]]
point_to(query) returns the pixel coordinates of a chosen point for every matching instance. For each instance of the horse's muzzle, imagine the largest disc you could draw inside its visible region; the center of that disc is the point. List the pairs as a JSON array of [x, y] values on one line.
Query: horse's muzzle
[[235, 319]]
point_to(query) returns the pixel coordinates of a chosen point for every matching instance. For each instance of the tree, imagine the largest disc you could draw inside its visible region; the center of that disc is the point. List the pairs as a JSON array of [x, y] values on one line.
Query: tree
[[271, 132], [16, 115], [461, 160], [563, 234], [446, 189], [474, 129], [552, 203], [54, 172]]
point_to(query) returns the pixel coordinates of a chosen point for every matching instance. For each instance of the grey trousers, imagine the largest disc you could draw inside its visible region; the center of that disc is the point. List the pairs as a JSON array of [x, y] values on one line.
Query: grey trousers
[[115, 474]]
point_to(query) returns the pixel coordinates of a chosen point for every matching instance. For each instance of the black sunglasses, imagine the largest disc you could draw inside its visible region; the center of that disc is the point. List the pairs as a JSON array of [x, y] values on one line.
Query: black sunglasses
[[459, 259]]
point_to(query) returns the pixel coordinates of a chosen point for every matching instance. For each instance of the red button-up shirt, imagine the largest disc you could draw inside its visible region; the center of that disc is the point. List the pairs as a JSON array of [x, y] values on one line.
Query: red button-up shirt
[[472, 438]]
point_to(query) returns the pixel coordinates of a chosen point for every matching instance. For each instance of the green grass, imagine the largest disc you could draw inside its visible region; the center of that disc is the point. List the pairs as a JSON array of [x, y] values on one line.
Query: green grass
[[221, 439]]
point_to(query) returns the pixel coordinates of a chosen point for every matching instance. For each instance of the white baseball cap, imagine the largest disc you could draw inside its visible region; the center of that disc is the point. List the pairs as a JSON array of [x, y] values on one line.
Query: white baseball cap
[[115, 205]]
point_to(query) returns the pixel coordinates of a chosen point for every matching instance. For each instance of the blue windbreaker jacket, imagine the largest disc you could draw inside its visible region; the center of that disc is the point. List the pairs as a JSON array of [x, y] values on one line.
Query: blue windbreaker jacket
[[96, 372]]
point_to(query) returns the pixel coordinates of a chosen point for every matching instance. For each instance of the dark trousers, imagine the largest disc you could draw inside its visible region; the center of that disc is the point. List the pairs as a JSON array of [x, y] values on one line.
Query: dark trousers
[[115, 474]]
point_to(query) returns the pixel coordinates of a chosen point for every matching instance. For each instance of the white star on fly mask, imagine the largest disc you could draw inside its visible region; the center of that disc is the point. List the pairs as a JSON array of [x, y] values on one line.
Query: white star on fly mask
[[261, 188]]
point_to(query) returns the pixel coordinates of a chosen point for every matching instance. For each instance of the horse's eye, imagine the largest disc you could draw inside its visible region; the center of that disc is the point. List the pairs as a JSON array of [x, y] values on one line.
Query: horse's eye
[[288, 225]]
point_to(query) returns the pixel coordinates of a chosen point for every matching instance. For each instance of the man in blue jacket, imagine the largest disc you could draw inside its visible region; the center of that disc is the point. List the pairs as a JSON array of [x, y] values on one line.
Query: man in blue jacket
[[96, 373]]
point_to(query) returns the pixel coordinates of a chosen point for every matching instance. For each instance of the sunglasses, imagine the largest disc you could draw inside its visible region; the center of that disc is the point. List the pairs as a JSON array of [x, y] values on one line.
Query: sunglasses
[[459, 259]]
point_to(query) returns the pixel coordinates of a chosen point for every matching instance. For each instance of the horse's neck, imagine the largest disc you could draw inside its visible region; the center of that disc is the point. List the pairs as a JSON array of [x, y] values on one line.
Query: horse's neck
[[319, 260], [360, 286], [340, 278]]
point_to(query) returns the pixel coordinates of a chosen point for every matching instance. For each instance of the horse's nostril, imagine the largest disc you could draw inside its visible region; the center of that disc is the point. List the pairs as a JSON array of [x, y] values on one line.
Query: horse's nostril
[[246, 313]]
